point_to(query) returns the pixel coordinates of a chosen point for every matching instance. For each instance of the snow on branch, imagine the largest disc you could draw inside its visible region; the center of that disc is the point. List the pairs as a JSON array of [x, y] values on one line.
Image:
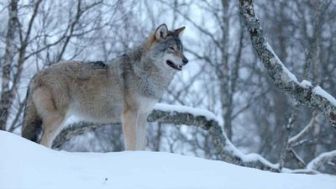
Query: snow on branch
[[303, 92], [325, 161], [182, 115]]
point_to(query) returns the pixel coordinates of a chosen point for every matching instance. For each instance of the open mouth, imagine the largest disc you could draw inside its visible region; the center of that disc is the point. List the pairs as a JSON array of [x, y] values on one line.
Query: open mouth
[[174, 66]]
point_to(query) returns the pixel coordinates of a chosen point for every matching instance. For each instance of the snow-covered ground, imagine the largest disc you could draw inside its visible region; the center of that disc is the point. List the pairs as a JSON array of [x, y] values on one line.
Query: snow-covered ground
[[24, 164]]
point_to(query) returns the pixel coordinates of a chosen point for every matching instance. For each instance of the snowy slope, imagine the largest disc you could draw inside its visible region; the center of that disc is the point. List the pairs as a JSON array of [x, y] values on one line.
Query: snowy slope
[[25, 165]]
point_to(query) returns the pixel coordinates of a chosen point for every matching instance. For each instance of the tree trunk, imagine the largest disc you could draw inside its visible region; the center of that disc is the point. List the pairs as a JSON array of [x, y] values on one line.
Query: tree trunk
[[6, 94], [224, 77], [306, 94]]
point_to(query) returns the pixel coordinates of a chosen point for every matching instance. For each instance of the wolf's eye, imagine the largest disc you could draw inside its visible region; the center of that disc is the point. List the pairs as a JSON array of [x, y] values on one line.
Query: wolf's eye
[[171, 48]]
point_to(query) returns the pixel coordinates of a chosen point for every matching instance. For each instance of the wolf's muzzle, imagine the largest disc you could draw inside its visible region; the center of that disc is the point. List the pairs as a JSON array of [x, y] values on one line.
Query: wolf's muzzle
[[185, 60], [173, 65]]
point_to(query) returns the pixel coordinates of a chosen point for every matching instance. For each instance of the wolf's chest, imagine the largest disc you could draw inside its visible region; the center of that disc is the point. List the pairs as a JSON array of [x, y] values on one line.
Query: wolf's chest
[[151, 87]]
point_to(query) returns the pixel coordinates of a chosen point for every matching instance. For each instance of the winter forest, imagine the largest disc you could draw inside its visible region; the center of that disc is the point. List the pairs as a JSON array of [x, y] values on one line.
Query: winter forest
[[259, 89]]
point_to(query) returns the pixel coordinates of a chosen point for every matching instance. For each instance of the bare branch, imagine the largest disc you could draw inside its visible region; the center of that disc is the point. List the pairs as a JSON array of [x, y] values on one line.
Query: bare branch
[[183, 115], [314, 97], [325, 162], [291, 154], [14, 125], [199, 27], [296, 139], [30, 24]]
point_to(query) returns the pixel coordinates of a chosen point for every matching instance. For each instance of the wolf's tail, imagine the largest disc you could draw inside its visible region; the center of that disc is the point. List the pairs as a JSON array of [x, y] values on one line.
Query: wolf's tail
[[32, 123]]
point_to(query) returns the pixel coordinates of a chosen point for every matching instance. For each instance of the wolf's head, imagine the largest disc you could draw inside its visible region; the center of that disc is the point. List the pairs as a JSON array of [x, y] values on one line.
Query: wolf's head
[[166, 48]]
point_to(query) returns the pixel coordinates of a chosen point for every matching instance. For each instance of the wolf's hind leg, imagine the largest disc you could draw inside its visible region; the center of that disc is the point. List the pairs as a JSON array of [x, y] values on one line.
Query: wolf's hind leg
[[52, 118], [52, 125]]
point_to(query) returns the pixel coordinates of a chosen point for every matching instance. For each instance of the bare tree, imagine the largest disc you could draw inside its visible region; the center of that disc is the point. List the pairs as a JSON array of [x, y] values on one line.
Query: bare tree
[[41, 41], [303, 92], [258, 106], [8, 92], [5, 97]]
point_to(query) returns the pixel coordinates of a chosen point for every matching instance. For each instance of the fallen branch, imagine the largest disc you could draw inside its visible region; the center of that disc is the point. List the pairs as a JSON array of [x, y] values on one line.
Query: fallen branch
[[303, 92], [325, 162], [182, 115]]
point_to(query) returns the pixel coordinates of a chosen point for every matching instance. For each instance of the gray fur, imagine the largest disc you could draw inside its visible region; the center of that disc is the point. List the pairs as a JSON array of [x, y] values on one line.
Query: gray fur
[[123, 89]]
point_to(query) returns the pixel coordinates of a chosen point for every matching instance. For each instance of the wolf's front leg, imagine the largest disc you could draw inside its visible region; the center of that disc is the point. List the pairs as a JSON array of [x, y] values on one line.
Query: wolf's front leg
[[141, 131], [129, 119], [134, 128]]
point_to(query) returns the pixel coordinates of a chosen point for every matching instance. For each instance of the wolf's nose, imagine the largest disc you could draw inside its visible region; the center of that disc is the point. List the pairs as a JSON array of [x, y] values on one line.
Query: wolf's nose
[[185, 60]]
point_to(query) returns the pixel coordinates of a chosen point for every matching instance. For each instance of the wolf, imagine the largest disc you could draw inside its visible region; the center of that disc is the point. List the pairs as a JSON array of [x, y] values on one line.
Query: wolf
[[124, 89]]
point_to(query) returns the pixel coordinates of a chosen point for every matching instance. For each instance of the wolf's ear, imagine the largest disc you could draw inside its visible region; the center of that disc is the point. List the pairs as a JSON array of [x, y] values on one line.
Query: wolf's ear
[[179, 31], [161, 32]]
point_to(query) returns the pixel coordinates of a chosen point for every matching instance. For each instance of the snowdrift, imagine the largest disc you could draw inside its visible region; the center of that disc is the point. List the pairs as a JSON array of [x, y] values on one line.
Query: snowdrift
[[25, 165]]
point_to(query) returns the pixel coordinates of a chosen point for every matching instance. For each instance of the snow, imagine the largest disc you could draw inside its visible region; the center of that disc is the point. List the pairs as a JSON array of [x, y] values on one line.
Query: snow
[[24, 164], [286, 74], [185, 109], [211, 116], [306, 84], [253, 157], [289, 76], [319, 91], [326, 155], [303, 131]]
